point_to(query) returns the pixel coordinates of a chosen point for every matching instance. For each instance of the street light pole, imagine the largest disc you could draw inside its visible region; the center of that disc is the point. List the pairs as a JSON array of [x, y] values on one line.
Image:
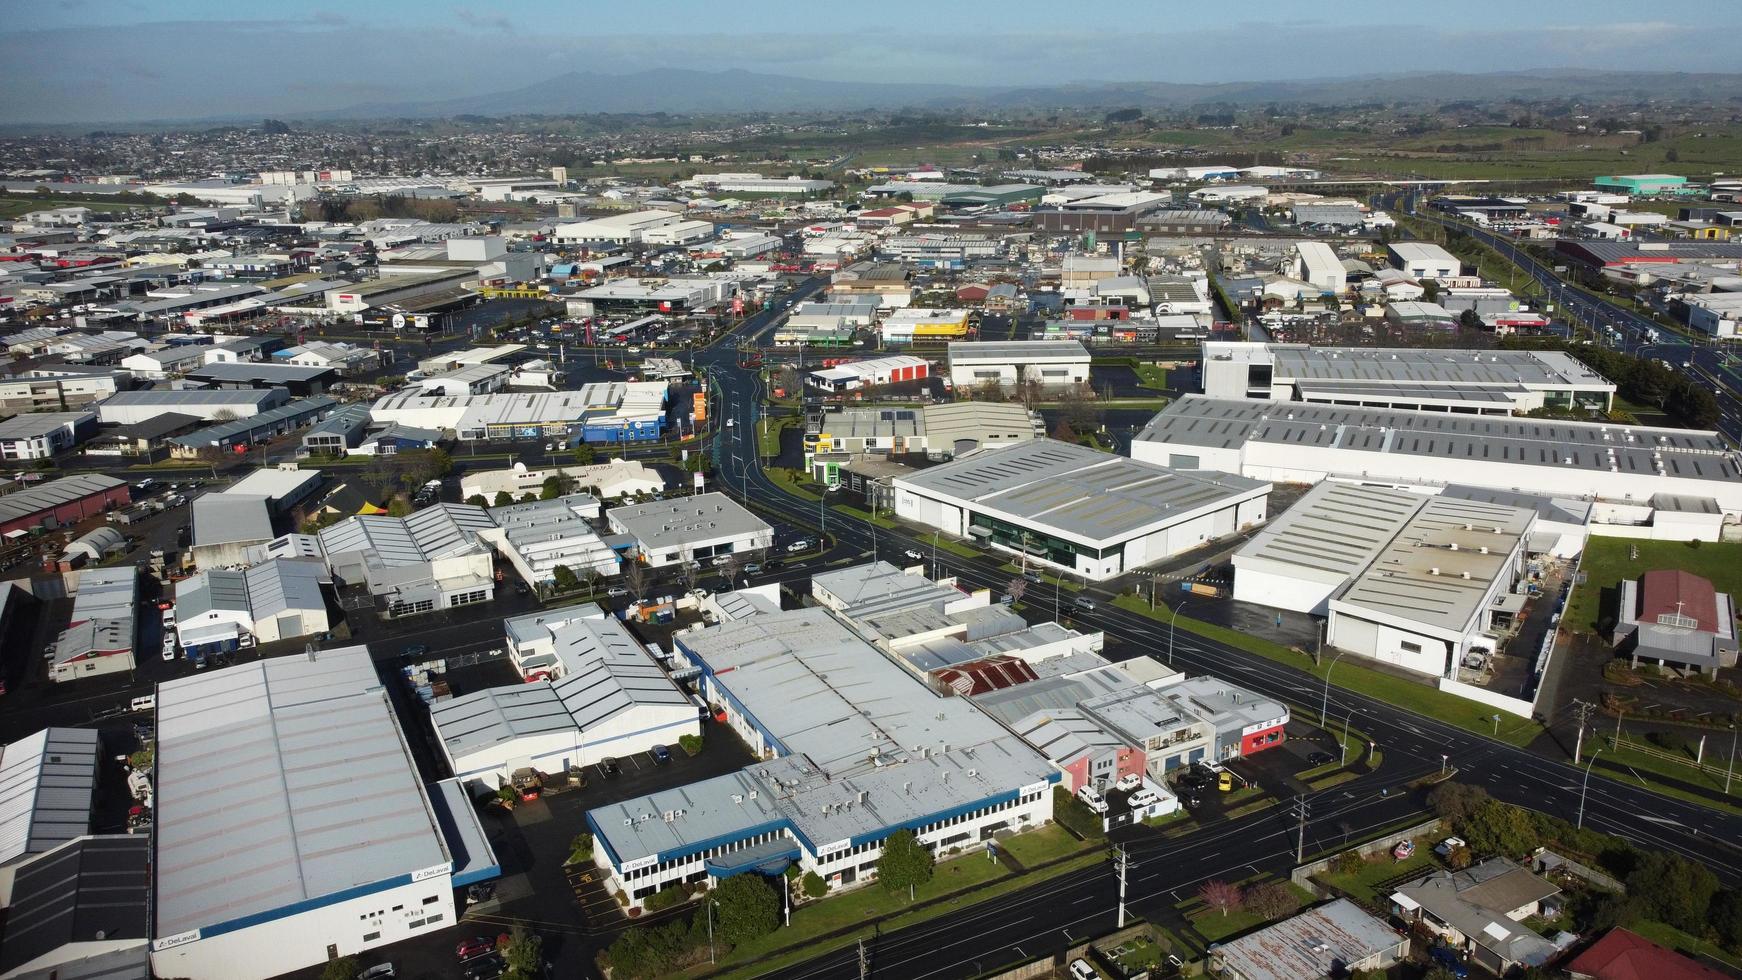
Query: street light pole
[[1172, 628], [1731, 770], [1325, 696], [1585, 785]]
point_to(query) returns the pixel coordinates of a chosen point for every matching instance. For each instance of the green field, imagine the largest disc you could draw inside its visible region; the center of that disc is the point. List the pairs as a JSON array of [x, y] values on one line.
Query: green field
[[1606, 563]]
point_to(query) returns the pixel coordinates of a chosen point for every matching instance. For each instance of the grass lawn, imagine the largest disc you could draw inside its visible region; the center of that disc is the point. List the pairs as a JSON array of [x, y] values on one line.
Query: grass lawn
[[1362, 884], [880, 520], [768, 435], [958, 549], [1462, 712], [1606, 563], [1216, 926], [1151, 376], [1040, 846], [1647, 765], [1681, 942], [1073, 585], [791, 483]]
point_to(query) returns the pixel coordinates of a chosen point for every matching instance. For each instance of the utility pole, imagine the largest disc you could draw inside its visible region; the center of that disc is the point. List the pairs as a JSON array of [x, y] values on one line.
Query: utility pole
[[1300, 804], [864, 961], [1121, 864], [1584, 711]]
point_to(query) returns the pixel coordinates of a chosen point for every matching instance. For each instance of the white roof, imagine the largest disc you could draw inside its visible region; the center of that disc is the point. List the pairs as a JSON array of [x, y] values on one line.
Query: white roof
[[47, 780], [280, 783]]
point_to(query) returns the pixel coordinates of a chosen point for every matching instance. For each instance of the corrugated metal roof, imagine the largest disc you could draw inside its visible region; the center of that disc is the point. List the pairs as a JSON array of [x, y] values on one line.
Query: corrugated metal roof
[[26, 503], [47, 781]]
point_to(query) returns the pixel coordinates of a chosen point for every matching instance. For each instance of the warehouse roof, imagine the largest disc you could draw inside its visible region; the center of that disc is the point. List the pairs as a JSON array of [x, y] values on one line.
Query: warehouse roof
[[1019, 351], [1077, 491], [1197, 420], [90, 890], [434, 532], [47, 781], [1333, 532], [284, 584], [496, 715], [319, 794], [170, 398], [208, 591], [248, 371], [228, 518], [31, 425], [1439, 566], [32, 501], [1416, 366], [672, 523], [223, 432]]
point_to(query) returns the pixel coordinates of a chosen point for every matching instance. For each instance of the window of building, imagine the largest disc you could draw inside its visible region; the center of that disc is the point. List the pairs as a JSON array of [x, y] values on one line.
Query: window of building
[[1409, 647], [370, 937]]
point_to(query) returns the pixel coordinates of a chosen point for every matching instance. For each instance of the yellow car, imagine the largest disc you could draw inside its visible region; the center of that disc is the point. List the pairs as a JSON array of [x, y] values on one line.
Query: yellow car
[[1225, 781]]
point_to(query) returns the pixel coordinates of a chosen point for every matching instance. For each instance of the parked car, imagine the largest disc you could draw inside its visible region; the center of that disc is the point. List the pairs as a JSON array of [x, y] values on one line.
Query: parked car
[[1404, 850], [1319, 759], [417, 650], [1081, 970], [719, 560], [169, 648], [379, 971], [1446, 847], [1128, 782], [661, 755], [608, 765], [1086, 605], [1445, 956], [521, 589], [1143, 799], [752, 569], [798, 546], [1092, 799], [617, 592], [471, 948], [487, 967]]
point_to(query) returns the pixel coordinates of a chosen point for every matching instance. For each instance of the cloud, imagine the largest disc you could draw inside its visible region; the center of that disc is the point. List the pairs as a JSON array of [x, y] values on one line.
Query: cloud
[[473, 18]]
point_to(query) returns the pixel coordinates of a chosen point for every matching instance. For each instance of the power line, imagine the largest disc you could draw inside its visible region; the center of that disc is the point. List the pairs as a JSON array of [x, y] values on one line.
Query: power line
[[1300, 811]]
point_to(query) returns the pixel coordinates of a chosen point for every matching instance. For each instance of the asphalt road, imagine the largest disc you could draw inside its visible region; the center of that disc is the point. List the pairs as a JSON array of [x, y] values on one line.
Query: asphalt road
[[1035, 921]]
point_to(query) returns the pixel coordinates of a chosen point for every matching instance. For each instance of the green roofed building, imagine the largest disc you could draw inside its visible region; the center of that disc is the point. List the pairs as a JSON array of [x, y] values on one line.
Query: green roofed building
[[1644, 184]]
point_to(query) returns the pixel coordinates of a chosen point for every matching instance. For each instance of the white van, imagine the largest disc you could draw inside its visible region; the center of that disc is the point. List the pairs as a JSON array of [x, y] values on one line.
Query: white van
[[145, 702]]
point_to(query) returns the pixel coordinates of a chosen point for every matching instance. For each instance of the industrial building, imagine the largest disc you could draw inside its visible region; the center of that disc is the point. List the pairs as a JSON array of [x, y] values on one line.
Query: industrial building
[[1437, 590], [756, 184], [61, 503], [432, 559], [606, 481], [913, 325], [699, 528], [1317, 263], [1637, 469], [853, 748], [1088, 512], [1052, 364], [614, 411], [853, 375], [79, 911], [602, 696], [246, 430], [1308, 553], [48, 784], [1424, 260], [834, 441], [44, 435], [278, 599], [100, 637], [616, 229], [1469, 382], [336, 848], [1644, 185], [540, 536], [133, 407], [676, 295], [295, 379]]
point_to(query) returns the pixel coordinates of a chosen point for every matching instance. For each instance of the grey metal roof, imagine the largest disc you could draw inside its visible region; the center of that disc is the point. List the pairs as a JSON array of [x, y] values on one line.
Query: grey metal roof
[[1505, 394], [499, 714], [219, 434], [227, 518], [282, 782], [89, 890], [1334, 531], [259, 371], [1440, 564], [103, 615], [1476, 901], [1196, 420], [31, 425], [284, 584], [1419, 367], [1006, 352], [1559, 509], [434, 532], [47, 782], [1078, 492], [46, 496], [210, 591], [665, 524], [345, 420], [169, 398]]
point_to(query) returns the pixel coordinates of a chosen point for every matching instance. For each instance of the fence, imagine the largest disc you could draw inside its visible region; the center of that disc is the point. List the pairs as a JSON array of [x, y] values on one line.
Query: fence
[[1493, 699], [1303, 874]]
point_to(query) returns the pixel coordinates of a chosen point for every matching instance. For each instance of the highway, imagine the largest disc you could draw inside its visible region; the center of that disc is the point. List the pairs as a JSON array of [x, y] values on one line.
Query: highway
[[1031, 922]]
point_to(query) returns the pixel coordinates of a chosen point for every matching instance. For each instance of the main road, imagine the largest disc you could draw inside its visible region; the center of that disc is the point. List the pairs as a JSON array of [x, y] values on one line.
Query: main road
[[1052, 915]]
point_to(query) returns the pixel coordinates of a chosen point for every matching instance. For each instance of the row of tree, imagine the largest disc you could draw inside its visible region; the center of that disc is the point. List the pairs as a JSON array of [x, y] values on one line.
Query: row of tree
[[1644, 381]]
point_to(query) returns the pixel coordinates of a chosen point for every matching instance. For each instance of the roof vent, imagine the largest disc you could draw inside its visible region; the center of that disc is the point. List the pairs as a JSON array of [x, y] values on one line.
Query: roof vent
[[1434, 570]]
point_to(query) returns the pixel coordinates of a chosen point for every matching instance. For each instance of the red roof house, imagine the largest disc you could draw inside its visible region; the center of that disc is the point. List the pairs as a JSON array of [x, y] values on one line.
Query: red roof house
[[1623, 955]]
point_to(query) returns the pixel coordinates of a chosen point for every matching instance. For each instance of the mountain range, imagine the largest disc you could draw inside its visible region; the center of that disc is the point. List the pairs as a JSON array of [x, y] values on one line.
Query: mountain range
[[690, 91]]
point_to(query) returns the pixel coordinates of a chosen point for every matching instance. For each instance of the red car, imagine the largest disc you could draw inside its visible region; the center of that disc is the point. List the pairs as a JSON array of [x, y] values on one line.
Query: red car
[[469, 948]]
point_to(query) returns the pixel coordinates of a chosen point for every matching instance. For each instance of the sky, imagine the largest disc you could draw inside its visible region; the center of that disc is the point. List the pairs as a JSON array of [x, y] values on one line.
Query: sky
[[89, 61]]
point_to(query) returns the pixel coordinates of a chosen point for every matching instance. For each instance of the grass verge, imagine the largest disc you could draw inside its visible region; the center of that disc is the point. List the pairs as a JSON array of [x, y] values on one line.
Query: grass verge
[[1151, 376], [1642, 766], [1606, 563], [1462, 712]]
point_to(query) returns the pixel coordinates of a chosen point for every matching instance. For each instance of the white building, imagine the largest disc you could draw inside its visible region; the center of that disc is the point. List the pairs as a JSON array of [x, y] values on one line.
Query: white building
[[279, 599], [159, 364], [1425, 260], [433, 559], [540, 536], [43, 435], [1053, 364], [608, 480], [617, 229], [1716, 314], [100, 636], [602, 696], [1089, 512], [1317, 263], [678, 233], [48, 785], [211, 404], [702, 527], [1435, 589], [1646, 477], [291, 824], [615, 411]]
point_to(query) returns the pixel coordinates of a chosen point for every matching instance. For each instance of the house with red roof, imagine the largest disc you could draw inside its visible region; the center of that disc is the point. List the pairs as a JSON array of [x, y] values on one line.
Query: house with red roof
[[1675, 618], [1623, 955]]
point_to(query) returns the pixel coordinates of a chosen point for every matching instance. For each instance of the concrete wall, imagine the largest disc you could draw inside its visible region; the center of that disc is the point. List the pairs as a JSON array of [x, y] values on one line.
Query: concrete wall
[[1493, 699]]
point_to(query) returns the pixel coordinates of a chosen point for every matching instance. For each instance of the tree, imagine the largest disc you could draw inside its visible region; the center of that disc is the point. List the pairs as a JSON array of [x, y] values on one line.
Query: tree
[[585, 455], [1222, 896], [1430, 290], [1673, 889], [636, 578], [1015, 588], [565, 579], [343, 968], [503, 498], [905, 862], [745, 908], [1726, 917], [1063, 432], [689, 571], [522, 952], [398, 507], [553, 487], [477, 500], [1470, 320], [1272, 900], [814, 885], [1455, 802]]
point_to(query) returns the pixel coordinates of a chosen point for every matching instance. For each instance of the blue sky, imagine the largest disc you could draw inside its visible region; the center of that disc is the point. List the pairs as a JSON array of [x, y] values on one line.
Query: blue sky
[[108, 60]]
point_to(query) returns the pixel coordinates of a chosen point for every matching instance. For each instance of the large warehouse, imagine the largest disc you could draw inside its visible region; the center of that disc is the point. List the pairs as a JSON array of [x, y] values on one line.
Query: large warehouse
[[1087, 511], [854, 748], [1300, 443], [1309, 552], [615, 411], [62, 502], [133, 407], [1471, 382], [1425, 260], [706, 526], [1052, 364], [291, 823]]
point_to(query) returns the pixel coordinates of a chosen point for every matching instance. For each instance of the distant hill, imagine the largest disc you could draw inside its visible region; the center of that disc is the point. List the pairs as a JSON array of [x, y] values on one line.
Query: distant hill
[[736, 90]]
